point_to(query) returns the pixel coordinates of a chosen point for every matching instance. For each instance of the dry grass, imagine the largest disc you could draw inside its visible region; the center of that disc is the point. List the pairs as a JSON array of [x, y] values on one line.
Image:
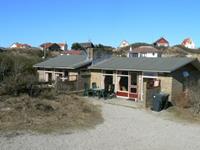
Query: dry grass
[[182, 100], [45, 116], [177, 114]]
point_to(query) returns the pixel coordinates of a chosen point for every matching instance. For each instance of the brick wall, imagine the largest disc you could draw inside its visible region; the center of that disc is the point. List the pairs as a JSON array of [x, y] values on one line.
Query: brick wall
[[96, 76], [166, 84]]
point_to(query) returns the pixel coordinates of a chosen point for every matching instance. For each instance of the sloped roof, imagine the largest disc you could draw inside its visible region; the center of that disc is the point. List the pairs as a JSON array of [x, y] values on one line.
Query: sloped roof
[[162, 41], [187, 41], [87, 45], [168, 64], [144, 49], [64, 62], [20, 45], [48, 45]]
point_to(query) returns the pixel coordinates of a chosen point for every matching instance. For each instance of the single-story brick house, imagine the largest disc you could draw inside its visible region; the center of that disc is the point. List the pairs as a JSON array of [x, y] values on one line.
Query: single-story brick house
[[129, 75], [65, 67]]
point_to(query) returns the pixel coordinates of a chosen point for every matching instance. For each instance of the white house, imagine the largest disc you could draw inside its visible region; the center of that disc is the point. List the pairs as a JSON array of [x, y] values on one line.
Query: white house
[[124, 44], [144, 51], [19, 45], [63, 46], [188, 43]]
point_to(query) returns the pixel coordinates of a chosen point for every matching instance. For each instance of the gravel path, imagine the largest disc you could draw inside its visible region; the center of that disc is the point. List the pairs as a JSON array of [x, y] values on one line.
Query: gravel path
[[123, 129]]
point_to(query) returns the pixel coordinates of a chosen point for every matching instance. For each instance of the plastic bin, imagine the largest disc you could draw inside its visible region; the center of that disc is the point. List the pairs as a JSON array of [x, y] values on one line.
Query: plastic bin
[[160, 101]]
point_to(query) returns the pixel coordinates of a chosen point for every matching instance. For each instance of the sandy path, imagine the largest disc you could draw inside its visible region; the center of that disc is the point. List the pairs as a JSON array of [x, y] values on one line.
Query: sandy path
[[123, 129]]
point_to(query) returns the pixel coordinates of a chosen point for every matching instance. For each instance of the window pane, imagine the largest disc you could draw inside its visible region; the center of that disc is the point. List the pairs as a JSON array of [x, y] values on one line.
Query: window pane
[[133, 90], [123, 84], [108, 72]]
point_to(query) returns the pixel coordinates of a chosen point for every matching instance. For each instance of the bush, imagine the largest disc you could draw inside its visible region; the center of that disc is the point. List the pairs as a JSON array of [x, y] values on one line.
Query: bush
[[17, 74], [48, 94], [23, 83], [190, 98], [194, 97], [182, 100]]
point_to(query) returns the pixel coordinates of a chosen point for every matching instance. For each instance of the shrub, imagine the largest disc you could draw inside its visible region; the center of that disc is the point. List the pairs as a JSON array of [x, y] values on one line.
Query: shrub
[[190, 98], [194, 97], [48, 94], [17, 74], [23, 83], [182, 100]]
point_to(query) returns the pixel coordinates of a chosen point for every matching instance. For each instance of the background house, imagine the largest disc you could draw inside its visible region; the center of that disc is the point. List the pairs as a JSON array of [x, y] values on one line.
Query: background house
[[124, 43], [63, 46], [50, 47], [188, 43], [162, 42], [144, 51], [54, 46], [20, 45]]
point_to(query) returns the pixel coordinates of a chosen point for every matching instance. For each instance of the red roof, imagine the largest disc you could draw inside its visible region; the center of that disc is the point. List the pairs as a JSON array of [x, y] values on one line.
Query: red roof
[[187, 41], [19, 45], [162, 41], [49, 44], [46, 45]]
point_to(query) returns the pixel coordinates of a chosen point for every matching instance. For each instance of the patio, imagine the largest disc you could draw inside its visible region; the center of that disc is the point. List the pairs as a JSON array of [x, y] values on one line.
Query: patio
[[117, 101]]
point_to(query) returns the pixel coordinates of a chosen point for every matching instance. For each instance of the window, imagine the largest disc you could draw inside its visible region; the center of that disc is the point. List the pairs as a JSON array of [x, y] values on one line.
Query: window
[[108, 72], [123, 72], [66, 73], [134, 54], [49, 77], [123, 84], [133, 79], [133, 90], [153, 83], [150, 74]]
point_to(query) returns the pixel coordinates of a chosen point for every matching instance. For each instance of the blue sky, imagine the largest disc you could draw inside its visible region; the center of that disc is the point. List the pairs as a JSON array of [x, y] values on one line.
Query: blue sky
[[101, 21]]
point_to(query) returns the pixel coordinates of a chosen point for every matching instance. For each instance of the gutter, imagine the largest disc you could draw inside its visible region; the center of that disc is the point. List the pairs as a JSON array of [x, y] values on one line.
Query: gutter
[[93, 68]]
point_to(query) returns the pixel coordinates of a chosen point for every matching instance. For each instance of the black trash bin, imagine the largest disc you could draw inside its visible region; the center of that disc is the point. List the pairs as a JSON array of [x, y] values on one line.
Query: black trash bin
[[160, 101]]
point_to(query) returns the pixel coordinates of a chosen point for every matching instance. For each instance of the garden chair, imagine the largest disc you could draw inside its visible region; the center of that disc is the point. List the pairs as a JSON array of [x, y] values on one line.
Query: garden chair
[[104, 93], [112, 91], [94, 89], [87, 90]]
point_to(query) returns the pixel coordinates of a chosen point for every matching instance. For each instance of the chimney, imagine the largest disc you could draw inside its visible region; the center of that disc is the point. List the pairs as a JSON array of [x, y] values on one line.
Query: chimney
[[90, 53]]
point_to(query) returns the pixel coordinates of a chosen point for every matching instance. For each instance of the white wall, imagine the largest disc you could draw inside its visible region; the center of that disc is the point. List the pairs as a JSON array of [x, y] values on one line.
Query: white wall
[[191, 46], [150, 55], [13, 46]]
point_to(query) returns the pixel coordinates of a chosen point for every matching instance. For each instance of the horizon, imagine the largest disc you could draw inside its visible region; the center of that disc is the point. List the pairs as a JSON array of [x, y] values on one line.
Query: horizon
[[102, 22]]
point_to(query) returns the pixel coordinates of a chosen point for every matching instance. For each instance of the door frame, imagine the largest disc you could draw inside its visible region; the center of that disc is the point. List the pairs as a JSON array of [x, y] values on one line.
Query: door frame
[[142, 83], [135, 97]]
